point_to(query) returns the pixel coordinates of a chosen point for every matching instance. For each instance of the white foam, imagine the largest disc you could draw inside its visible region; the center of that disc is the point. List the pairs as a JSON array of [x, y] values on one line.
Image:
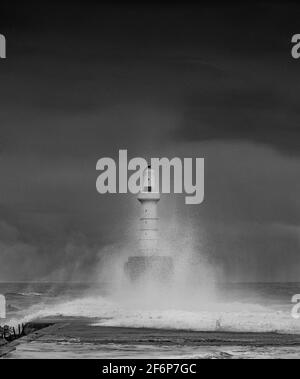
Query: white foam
[[215, 316]]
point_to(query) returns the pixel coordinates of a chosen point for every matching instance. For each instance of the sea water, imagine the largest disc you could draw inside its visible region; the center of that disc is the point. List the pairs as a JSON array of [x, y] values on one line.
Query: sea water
[[236, 307]]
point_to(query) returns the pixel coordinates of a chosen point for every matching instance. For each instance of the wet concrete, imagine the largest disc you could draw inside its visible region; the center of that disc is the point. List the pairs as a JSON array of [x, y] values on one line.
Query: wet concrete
[[77, 337]]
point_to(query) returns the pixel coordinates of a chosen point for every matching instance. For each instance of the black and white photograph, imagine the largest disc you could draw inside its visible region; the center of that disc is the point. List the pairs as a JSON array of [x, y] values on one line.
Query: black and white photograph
[[149, 182]]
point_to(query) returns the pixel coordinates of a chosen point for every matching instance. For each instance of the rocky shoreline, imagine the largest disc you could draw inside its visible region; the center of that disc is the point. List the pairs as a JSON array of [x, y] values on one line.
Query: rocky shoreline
[[9, 338]]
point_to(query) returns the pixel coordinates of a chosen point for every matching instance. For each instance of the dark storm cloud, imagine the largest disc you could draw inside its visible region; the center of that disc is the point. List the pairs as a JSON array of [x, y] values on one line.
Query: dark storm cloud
[[65, 60], [258, 115], [83, 81]]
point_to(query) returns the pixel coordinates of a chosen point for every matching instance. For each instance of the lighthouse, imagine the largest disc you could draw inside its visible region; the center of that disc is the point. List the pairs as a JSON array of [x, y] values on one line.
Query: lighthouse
[[149, 262], [148, 197]]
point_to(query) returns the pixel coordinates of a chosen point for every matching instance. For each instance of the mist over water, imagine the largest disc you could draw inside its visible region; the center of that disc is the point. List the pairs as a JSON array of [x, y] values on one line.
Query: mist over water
[[191, 284], [193, 299]]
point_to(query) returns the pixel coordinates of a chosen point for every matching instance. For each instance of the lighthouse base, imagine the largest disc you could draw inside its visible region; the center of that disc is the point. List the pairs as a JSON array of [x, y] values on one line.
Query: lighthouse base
[[159, 267]]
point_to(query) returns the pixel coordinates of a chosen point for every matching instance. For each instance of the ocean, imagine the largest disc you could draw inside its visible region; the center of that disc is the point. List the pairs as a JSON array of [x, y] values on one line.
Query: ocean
[[234, 308]]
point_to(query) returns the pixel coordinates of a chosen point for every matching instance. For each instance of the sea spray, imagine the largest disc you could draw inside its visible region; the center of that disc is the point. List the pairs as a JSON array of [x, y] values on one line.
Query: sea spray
[[190, 301]]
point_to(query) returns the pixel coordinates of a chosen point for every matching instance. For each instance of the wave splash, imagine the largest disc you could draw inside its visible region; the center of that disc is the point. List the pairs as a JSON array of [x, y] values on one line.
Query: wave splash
[[234, 317]]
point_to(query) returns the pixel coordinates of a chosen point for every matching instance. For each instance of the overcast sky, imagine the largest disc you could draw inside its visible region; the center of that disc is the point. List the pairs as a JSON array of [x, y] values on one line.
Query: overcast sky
[[81, 82]]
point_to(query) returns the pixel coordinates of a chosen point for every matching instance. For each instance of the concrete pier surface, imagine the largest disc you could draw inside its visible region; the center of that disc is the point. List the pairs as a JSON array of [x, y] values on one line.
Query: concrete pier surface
[[78, 338]]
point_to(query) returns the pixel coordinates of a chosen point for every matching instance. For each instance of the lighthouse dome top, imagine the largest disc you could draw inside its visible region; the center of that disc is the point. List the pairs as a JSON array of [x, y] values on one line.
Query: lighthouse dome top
[[148, 184], [148, 187]]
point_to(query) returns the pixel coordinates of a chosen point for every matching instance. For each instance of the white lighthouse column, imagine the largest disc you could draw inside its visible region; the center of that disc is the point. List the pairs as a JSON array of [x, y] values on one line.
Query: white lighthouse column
[[149, 263], [148, 219]]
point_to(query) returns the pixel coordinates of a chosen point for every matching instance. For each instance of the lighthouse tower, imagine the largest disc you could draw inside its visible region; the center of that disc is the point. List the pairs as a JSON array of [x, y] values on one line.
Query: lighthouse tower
[[148, 197], [149, 262]]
